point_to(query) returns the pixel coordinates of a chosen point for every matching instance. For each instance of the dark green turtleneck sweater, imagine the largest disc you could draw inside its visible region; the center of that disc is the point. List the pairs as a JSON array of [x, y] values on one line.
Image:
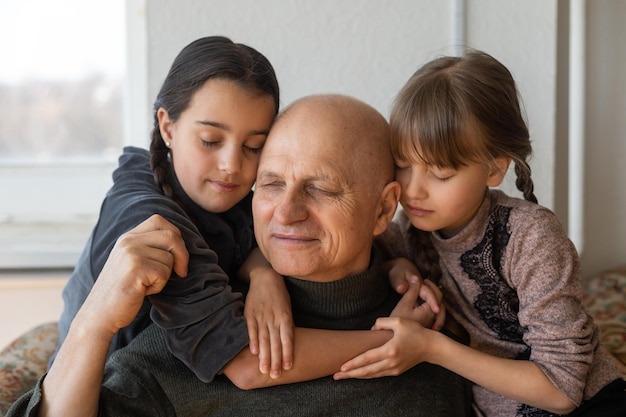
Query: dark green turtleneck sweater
[[351, 303]]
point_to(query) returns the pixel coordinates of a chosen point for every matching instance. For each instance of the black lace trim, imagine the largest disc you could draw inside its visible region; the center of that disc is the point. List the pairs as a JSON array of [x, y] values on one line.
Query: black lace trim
[[524, 410], [497, 304]]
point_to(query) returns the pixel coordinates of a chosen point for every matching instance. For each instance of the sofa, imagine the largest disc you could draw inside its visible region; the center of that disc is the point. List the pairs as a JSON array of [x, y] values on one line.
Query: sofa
[[24, 360]]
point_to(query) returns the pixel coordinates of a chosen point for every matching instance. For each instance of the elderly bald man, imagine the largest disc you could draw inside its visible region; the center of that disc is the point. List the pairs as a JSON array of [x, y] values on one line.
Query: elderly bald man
[[324, 190]]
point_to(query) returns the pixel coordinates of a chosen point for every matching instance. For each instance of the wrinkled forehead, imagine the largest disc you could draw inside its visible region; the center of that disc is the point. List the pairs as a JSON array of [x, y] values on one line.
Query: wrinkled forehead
[[314, 134], [297, 158]]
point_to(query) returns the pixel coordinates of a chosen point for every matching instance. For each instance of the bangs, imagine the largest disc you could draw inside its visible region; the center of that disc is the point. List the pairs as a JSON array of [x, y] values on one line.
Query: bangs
[[428, 125]]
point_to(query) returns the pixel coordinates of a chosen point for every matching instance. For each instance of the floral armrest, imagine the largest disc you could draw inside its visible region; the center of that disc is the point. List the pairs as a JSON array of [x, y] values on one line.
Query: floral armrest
[[24, 361], [605, 299]]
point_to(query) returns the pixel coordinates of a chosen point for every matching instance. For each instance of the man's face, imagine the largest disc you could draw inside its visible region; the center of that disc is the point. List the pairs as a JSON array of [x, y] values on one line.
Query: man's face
[[314, 211]]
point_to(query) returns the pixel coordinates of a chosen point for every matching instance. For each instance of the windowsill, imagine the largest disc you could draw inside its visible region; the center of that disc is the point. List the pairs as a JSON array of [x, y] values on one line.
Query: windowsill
[[33, 279], [42, 246]]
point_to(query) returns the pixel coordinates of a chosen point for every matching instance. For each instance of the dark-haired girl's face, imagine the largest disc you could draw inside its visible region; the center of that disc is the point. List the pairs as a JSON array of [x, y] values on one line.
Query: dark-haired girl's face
[[216, 142]]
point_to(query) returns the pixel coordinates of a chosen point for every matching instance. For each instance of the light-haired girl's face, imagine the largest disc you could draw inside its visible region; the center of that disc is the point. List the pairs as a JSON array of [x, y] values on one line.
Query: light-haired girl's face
[[441, 199]]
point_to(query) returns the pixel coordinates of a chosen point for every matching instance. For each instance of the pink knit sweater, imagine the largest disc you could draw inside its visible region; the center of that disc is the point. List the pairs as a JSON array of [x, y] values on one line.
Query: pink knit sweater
[[512, 279]]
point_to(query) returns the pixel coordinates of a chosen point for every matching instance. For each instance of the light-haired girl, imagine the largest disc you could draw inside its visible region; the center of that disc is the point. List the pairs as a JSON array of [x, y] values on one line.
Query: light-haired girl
[[509, 274]]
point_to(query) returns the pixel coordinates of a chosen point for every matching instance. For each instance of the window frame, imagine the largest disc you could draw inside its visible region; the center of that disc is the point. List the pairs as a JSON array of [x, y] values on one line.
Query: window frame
[[71, 192]]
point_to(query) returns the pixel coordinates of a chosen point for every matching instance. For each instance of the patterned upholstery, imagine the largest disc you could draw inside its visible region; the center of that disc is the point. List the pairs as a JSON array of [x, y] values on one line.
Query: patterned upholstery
[[26, 358], [24, 361], [605, 298]]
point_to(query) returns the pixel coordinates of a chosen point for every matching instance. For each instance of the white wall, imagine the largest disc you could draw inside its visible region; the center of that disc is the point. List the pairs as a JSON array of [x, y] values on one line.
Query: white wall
[[368, 48], [605, 150]]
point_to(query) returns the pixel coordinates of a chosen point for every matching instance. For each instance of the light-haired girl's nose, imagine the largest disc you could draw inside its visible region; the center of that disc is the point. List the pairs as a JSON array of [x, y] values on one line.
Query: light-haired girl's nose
[[416, 188]]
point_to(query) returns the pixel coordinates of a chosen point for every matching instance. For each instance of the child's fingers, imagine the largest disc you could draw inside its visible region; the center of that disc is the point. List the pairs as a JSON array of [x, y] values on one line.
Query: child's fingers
[[286, 338], [398, 282], [410, 297], [440, 319], [428, 293], [369, 364], [373, 363], [440, 313], [276, 352], [253, 336], [265, 353]]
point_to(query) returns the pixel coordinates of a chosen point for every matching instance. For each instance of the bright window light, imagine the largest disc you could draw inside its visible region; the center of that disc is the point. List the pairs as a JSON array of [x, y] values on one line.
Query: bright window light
[[61, 80]]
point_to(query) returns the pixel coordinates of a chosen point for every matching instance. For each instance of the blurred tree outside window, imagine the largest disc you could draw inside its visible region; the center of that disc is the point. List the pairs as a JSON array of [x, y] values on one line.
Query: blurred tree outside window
[[62, 102], [61, 80]]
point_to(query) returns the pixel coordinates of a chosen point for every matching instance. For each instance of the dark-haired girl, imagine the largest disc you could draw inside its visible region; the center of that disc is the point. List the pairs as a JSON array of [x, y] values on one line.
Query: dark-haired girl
[[211, 119]]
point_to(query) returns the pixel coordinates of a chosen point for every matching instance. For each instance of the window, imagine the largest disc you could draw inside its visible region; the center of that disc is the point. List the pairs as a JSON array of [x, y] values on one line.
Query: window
[[62, 101]]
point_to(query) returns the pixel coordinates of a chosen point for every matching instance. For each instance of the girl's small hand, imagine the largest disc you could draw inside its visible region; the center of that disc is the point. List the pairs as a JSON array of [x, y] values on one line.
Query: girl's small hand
[[401, 272], [422, 303], [270, 325], [433, 297], [393, 358]]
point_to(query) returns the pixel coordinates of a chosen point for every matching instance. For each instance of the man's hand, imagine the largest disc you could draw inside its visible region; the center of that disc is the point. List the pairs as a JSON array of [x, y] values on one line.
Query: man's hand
[[140, 264]]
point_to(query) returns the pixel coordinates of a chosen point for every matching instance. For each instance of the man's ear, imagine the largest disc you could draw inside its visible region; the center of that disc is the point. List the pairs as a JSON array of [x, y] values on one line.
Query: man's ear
[[498, 169], [165, 125], [387, 208]]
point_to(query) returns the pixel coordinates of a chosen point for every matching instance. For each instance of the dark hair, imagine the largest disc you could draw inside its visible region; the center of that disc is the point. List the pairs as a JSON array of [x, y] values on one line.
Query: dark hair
[[459, 110], [212, 57]]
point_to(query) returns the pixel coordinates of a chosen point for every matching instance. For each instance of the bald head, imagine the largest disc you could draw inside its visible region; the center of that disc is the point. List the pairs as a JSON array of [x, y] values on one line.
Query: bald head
[[348, 126], [324, 188]]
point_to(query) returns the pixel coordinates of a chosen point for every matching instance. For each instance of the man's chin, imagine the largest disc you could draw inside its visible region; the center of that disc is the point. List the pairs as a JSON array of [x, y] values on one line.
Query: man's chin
[[292, 272], [293, 268]]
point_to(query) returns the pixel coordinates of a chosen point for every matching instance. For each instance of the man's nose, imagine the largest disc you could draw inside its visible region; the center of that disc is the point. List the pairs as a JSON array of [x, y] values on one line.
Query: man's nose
[[292, 207]]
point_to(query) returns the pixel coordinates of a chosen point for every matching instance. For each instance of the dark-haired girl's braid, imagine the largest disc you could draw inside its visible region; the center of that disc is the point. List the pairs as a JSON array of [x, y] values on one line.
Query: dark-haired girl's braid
[[426, 256], [524, 182], [159, 162]]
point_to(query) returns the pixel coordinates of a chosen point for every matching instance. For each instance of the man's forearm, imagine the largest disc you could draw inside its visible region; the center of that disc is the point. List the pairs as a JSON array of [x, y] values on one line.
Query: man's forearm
[[72, 385]]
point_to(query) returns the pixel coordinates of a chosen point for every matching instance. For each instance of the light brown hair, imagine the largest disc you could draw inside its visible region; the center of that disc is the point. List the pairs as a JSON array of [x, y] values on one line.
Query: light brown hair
[[455, 111]]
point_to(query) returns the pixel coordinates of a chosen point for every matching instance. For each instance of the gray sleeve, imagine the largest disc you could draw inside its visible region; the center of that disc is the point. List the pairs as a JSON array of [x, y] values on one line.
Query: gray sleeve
[[28, 404], [201, 314]]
